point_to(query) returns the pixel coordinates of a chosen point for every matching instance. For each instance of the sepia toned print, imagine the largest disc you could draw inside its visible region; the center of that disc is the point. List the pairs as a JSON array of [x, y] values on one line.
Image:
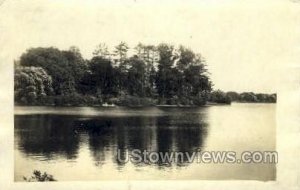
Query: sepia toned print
[[142, 92], [88, 114]]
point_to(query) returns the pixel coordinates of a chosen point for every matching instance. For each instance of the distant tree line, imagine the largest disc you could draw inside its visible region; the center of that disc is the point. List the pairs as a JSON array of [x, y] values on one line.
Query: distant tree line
[[252, 97], [151, 75], [217, 96]]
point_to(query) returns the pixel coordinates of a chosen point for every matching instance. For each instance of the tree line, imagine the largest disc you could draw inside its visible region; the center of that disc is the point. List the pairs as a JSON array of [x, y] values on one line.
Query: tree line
[[150, 75], [218, 96]]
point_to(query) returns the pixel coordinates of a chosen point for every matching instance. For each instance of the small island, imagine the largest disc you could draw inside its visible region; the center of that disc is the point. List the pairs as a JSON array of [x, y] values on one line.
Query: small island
[[147, 75]]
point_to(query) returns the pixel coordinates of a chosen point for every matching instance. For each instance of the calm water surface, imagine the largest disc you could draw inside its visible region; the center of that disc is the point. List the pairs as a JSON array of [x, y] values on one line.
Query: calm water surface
[[82, 143]]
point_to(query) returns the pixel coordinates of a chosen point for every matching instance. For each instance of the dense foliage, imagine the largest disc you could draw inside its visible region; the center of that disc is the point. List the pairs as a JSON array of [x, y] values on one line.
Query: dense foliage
[[152, 75], [252, 97], [39, 177], [32, 84], [249, 97]]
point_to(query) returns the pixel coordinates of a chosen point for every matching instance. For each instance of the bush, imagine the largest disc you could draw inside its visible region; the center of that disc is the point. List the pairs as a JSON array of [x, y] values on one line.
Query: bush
[[199, 101], [38, 176], [76, 100], [219, 97], [133, 101], [248, 97], [184, 101]]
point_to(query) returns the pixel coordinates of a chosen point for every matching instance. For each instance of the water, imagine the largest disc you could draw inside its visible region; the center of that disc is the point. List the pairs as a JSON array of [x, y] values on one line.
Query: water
[[83, 143]]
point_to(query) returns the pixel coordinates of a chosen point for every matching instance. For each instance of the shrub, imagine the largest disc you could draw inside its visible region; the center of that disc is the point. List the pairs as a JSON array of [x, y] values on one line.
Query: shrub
[[184, 101], [199, 101], [133, 101], [76, 100], [219, 97], [38, 176]]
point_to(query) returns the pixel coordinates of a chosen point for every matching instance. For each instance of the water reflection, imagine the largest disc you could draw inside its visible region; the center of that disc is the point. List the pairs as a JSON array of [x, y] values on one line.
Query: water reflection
[[52, 136], [47, 136]]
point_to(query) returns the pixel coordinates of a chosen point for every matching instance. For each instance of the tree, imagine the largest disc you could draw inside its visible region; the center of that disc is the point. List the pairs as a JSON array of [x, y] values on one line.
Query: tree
[[148, 54], [151, 89], [234, 96], [164, 75], [248, 97], [219, 97], [76, 65], [136, 77], [87, 84], [31, 85], [186, 57], [103, 76], [196, 81], [121, 52], [171, 75], [102, 51], [66, 67], [181, 74], [55, 63]]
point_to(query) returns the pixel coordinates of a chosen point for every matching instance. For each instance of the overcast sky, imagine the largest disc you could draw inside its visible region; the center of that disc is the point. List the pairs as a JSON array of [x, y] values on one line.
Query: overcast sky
[[245, 43]]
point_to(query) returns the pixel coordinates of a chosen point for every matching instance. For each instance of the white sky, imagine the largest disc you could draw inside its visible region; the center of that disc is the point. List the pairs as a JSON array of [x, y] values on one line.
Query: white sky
[[245, 43]]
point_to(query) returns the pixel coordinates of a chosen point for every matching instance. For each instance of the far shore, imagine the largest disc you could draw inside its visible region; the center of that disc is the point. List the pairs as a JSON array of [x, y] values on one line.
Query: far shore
[[144, 106]]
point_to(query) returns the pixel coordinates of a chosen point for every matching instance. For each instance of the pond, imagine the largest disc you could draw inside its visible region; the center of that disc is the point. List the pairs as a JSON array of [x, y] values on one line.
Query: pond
[[89, 143]]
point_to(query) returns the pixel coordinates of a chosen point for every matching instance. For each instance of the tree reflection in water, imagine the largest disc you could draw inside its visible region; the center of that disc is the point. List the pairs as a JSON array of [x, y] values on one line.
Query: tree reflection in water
[[53, 136]]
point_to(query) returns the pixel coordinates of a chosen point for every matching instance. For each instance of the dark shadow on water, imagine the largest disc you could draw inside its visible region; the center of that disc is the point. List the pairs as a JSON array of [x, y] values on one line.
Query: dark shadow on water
[[47, 135], [50, 136]]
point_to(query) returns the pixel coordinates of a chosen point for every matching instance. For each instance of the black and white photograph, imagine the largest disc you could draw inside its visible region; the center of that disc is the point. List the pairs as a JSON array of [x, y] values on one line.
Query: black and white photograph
[[150, 91]]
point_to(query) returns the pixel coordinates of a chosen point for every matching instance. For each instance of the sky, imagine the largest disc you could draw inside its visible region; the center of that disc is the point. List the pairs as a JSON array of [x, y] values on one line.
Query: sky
[[246, 44]]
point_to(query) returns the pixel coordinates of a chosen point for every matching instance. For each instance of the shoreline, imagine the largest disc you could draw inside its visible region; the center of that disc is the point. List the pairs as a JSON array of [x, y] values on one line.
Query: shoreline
[[142, 106]]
